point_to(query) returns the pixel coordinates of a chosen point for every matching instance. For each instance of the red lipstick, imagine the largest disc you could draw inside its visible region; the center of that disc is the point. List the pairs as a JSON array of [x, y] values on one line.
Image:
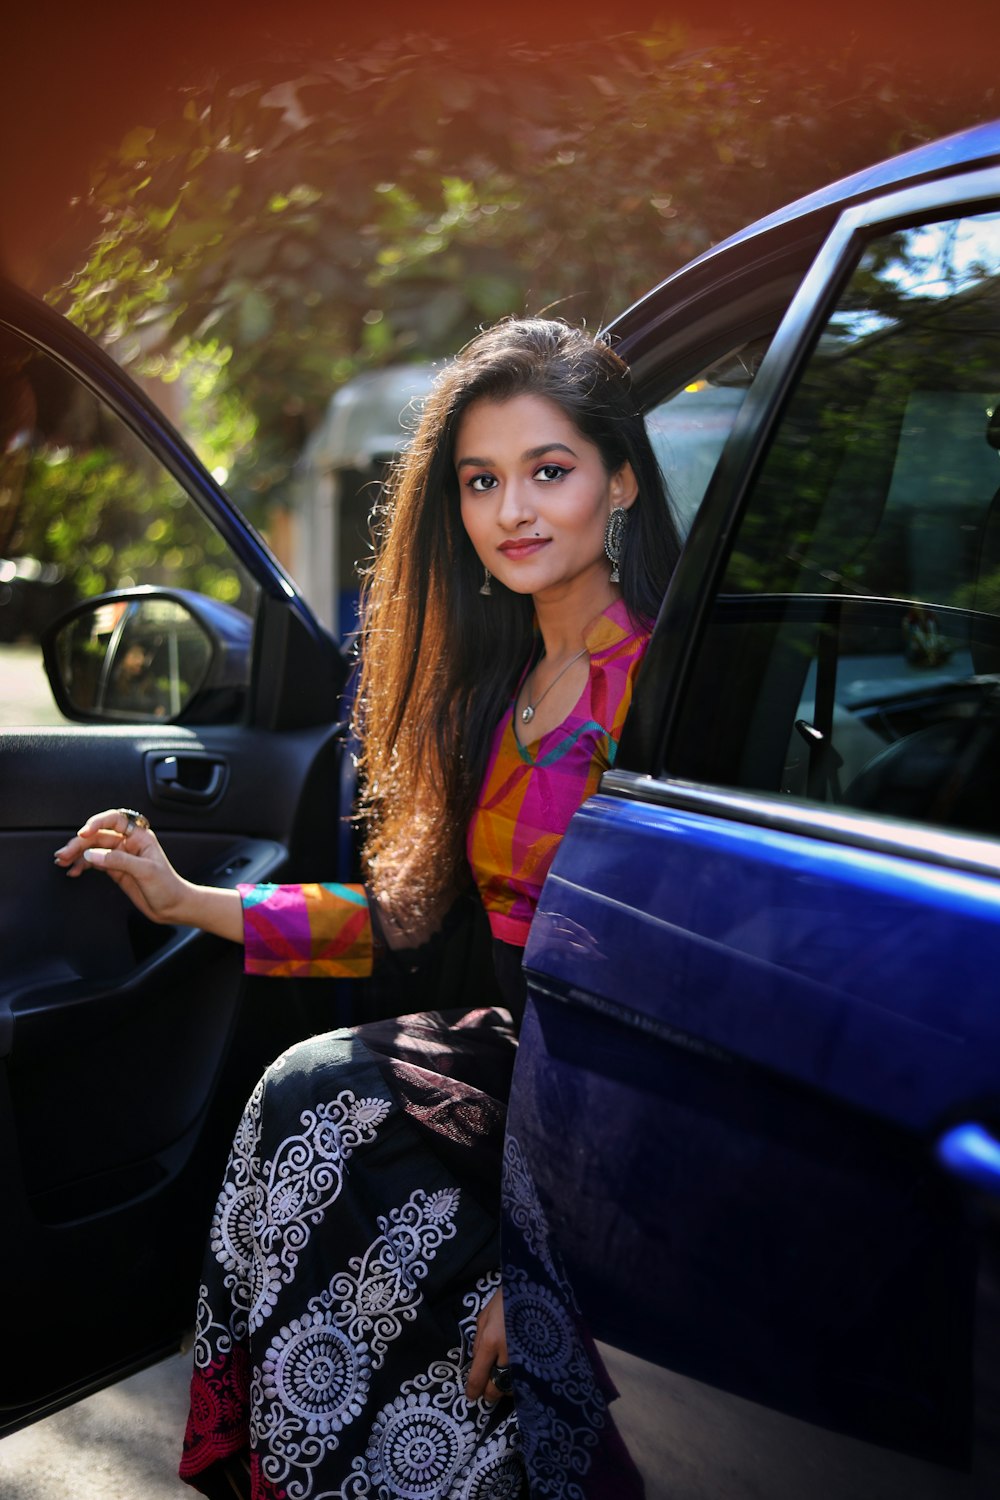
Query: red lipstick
[[523, 547]]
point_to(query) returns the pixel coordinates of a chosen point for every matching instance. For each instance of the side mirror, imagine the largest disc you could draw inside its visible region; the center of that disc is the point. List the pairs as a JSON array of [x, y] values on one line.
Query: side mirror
[[149, 656]]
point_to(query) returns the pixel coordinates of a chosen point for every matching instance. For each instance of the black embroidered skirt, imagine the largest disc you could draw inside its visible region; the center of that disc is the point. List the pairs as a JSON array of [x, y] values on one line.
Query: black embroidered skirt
[[354, 1243]]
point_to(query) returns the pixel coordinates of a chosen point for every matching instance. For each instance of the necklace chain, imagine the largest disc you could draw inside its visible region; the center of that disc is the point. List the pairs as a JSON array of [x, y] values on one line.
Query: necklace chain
[[528, 711]]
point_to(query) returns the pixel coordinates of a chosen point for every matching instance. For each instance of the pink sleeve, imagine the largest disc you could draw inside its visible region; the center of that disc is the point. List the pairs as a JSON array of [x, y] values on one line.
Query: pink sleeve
[[318, 931]]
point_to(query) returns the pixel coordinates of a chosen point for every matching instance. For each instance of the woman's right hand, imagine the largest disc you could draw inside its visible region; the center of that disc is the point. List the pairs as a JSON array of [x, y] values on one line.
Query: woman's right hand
[[134, 860]]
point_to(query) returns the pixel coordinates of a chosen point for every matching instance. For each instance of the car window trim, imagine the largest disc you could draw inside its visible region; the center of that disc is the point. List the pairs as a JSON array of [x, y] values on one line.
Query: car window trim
[[966, 853], [686, 608]]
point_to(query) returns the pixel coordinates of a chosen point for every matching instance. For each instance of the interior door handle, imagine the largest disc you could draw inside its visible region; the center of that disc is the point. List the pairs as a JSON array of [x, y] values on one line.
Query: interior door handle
[[191, 778], [972, 1153]]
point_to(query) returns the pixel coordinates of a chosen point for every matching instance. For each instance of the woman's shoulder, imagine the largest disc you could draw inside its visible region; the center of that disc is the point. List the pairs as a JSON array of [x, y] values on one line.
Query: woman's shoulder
[[616, 645], [615, 636]]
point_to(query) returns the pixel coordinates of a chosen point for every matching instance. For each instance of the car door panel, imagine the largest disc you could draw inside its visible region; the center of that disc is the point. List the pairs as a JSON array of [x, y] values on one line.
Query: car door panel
[[727, 1127], [128, 1048], [817, 933]]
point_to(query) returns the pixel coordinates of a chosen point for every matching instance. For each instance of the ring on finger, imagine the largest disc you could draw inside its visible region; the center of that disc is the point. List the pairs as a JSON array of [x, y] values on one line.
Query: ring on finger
[[502, 1379], [133, 820]]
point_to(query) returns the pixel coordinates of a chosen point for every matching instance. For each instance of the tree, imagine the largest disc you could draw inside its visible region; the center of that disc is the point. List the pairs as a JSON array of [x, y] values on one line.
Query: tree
[[282, 231]]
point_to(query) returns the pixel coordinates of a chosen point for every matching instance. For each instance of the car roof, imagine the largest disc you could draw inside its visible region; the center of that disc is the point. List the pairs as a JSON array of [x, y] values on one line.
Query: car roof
[[811, 216], [969, 148]]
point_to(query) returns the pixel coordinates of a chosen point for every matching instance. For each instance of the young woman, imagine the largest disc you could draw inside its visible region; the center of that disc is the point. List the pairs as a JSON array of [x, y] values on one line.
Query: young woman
[[350, 1337]]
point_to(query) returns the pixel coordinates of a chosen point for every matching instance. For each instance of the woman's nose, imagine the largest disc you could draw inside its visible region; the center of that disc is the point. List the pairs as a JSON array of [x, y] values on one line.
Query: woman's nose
[[516, 505]]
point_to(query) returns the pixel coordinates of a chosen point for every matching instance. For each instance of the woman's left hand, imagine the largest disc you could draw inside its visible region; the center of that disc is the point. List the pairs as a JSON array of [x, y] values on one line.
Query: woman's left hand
[[489, 1349]]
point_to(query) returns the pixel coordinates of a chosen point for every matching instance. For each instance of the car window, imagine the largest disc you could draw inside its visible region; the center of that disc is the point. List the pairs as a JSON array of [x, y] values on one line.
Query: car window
[[688, 429], [84, 508], [853, 652]]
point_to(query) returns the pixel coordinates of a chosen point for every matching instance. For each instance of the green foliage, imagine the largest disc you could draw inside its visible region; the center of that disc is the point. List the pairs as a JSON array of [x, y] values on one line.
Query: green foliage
[[106, 524], [284, 232]]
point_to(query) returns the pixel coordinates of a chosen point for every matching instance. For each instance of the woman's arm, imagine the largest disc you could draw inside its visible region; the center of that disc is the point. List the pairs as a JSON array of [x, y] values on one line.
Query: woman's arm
[[300, 930]]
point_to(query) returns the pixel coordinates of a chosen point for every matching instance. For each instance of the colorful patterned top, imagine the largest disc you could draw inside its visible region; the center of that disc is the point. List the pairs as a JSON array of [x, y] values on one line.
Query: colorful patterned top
[[528, 797], [530, 793]]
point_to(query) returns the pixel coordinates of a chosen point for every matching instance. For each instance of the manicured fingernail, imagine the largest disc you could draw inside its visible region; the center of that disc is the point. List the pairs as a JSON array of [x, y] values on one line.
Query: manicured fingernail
[[94, 856]]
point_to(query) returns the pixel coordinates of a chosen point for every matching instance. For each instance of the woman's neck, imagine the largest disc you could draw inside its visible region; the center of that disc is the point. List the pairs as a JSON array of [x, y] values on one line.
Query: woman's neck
[[562, 621]]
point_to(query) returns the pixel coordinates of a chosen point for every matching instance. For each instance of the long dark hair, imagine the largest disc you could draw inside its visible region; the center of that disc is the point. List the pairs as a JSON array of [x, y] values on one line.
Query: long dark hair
[[440, 660]]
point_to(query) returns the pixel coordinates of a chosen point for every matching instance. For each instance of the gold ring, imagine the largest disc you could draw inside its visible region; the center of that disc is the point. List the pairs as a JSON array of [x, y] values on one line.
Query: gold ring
[[133, 820]]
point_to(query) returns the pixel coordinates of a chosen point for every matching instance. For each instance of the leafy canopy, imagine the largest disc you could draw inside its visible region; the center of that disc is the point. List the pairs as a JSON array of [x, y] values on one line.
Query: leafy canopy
[[280, 232]]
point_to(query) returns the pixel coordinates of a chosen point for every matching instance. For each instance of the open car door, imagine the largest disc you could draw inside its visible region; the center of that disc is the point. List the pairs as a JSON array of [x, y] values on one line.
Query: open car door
[[202, 691]]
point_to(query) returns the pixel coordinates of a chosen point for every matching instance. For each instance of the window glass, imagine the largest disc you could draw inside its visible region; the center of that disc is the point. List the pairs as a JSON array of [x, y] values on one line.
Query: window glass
[[853, 652], [689, 429], [84, 509]]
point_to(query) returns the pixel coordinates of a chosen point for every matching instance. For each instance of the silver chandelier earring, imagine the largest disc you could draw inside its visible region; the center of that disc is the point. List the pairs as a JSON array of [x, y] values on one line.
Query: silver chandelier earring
[[485, 587], [614, 536]]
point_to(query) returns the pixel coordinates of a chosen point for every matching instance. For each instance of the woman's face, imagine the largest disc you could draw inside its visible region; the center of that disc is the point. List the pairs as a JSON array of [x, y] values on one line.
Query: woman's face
[[536, 497]]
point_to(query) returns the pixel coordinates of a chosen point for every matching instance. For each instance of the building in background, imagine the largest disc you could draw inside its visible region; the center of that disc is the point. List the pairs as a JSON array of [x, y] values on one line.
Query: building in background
[[367, 423]]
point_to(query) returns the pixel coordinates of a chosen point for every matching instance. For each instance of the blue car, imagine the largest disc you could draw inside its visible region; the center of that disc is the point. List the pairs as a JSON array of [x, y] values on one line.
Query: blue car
[[752, 1196], [752, 1202]]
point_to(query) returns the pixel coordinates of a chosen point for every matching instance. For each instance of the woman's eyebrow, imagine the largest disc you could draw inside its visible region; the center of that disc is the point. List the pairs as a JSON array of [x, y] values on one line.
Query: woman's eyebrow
[[548, 448], [489, 463]]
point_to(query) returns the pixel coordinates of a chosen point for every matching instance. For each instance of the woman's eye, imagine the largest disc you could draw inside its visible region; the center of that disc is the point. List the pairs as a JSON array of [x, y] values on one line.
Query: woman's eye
[[480, 483], [549, 473]]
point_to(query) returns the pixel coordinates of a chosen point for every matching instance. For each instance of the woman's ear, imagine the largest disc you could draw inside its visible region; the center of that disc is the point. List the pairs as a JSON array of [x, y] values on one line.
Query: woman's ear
[[624, 487]]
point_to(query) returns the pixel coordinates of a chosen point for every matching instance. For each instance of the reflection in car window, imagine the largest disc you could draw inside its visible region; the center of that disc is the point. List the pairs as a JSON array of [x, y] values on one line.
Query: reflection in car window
[[689, 429], [853, 654], [84, 508]]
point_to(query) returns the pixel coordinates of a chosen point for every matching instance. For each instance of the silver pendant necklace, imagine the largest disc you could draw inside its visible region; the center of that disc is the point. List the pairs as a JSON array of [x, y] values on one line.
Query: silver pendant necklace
[[528, 711]]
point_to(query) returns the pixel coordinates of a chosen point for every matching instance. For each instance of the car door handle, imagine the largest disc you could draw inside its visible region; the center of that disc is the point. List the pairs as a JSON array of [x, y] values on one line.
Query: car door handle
[[972, 1153], [190, 778]]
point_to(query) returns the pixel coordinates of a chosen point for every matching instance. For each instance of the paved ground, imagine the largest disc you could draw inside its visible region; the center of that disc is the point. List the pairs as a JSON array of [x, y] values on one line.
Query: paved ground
[[122, 1444], [25, 695]]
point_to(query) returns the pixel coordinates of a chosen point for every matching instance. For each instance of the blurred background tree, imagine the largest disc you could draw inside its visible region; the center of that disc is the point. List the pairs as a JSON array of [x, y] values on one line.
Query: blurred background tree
[[279, 228]]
